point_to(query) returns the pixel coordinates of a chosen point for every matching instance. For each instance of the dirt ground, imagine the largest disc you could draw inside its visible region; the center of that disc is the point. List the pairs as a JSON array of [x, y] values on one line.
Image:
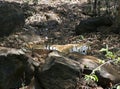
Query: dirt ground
[[53, 22]]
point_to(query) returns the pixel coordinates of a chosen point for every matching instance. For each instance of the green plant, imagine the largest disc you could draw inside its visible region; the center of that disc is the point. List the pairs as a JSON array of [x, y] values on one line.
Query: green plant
[[23, 86], [91, 77], [108, 54], [26, 1], [101, 61], [118, 60], [81, 37], [118, 87]]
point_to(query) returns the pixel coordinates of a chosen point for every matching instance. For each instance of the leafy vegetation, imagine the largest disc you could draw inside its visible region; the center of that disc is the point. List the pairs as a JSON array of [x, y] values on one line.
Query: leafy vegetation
[[108, 54], [91, 77], [118, 60]]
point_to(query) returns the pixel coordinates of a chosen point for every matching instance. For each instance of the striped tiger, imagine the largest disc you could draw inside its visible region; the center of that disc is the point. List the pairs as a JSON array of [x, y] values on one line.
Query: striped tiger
[[81, 48]]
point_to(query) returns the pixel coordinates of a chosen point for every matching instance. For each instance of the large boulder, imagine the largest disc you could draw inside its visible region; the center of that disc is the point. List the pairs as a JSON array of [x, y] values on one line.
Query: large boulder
[[11, 18], [15, 68], [109, 73], [88, 63], [63, 71], [91, 24], [58, 72]]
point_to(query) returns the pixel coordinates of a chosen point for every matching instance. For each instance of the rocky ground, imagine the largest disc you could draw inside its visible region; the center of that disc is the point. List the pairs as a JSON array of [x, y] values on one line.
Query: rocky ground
[[54, 22]]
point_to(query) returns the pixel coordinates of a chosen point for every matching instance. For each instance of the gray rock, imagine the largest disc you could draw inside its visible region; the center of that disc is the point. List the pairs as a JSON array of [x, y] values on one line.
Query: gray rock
[[58, 72], [11, 18], [109, 73], [15, 68], [91, 24], [88, 63]]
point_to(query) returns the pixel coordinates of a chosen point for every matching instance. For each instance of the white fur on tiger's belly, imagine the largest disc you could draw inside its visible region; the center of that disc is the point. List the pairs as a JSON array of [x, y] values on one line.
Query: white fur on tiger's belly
[[81, 50]]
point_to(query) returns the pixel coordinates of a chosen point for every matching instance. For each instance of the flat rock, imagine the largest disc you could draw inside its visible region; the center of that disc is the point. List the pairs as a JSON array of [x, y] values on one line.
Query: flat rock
[[87, 62]]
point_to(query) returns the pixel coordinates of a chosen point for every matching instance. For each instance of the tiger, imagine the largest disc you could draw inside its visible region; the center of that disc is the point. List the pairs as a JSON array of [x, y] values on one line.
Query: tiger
[[81, 48]]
